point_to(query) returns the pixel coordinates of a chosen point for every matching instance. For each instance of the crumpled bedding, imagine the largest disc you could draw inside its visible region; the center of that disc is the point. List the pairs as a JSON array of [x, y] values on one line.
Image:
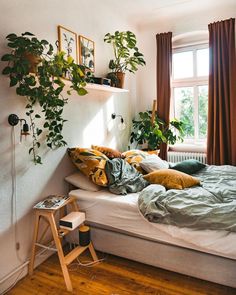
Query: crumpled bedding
[[210, 206], [123, 178]]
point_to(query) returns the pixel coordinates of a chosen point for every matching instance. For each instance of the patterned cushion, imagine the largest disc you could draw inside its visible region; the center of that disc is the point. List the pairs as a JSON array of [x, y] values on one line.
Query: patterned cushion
[[134, 157], [171, 179], [90, 162], [109, 152]]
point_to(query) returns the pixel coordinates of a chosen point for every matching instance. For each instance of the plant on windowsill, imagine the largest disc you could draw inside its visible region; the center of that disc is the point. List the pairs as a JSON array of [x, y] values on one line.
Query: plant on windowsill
[[126, 56], [153, 134], [44, 88]]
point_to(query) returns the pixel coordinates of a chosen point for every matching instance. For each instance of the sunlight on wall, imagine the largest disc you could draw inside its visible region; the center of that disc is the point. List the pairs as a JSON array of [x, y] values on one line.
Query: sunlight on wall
[[94, 132], [109, 110]]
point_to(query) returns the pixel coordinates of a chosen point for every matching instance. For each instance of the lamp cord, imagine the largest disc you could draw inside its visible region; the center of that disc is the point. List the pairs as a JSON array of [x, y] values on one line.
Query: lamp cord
[[14, 218]]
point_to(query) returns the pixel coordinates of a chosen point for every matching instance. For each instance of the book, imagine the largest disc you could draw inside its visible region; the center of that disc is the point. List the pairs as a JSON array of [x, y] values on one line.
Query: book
[[52, 202]]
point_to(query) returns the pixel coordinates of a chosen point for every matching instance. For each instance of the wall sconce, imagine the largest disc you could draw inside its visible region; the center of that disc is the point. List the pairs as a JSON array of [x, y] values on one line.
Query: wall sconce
[[13, 120], [121, 125]]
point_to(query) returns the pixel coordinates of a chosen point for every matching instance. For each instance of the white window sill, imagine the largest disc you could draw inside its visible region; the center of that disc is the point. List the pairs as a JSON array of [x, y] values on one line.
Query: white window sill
[[191, 148]]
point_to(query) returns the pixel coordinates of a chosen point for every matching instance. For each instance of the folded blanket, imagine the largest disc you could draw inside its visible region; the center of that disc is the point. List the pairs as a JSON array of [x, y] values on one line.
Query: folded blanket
[[123, 178]]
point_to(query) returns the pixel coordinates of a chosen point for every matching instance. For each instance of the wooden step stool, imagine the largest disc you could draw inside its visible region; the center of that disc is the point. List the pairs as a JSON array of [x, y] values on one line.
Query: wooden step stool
[[49, 216]]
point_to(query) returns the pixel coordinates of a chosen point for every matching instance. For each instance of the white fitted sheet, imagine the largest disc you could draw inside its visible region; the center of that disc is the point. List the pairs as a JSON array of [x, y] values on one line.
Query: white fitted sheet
[[122, 213]]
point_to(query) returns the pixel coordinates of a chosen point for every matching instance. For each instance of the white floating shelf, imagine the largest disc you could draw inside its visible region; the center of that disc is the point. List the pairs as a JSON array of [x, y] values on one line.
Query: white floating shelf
[[98, 87], [92, 86]]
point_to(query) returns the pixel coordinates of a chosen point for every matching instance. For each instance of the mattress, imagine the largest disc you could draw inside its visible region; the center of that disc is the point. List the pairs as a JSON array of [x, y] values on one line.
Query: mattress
[[121, 213]]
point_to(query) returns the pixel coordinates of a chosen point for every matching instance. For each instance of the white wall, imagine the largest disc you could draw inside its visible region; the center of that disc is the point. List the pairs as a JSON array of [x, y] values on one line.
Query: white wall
[[89, 116], [177, 24]]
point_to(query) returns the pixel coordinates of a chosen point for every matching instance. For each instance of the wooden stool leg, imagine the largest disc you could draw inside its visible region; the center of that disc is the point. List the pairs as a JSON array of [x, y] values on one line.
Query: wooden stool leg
[[92, 252], [60, 253], [36, 229]]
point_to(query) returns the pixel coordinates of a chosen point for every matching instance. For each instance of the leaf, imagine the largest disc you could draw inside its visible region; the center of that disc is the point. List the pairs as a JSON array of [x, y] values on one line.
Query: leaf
[[6, 71], [13, 81], [11, 36], [44, 42], [7, 57], [38, 160], [27, 34], [30, 150], [39, 131], [82, 91]]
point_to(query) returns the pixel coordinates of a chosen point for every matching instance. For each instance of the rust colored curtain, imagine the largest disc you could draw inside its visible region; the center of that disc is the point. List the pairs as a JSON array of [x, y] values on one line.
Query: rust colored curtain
[[221, 139], [164, 63]]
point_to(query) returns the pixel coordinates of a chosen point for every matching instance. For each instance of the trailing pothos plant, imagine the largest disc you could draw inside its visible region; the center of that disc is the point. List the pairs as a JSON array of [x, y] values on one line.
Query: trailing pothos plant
[[44, 88], [154, 133]]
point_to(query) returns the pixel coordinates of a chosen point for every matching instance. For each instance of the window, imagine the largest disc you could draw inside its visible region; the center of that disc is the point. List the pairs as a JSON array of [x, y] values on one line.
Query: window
[[190, 91]]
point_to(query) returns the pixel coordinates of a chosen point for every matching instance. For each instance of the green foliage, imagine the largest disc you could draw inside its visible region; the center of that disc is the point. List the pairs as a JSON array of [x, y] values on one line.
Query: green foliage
[[126, 54], [186, 113], [44, 88], [155, 134]]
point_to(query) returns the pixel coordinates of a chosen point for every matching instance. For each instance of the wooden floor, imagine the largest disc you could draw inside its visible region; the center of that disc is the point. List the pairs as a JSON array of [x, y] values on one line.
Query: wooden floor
[[114, 276]]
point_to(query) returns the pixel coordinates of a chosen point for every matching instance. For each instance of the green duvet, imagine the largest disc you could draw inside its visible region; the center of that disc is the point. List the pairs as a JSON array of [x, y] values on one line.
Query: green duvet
[[210, 206]]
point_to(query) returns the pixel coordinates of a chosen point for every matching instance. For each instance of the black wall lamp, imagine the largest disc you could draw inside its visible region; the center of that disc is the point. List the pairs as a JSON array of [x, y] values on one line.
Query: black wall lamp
[[13, 120], [121, 125]]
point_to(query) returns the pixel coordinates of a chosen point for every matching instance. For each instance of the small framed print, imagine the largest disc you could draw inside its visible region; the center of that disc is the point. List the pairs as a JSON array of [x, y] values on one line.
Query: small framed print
[[68, 42], [87, 52]]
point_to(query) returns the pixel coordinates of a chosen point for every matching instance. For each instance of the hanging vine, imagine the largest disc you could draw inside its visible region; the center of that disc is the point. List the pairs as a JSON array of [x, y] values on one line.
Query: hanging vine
[[44, 88]]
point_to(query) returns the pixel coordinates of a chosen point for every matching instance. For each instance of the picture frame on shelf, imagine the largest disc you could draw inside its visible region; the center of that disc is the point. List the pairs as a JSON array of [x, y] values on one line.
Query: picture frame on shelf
[[87, 52], [67, 42]]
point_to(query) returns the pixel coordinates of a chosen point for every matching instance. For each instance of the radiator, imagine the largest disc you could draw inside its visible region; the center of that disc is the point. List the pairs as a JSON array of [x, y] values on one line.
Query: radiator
[[175, 157]]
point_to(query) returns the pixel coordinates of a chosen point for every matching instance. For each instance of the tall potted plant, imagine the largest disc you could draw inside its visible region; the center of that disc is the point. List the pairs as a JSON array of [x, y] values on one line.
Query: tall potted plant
[[44, 88], [126, 56], [154, 133]]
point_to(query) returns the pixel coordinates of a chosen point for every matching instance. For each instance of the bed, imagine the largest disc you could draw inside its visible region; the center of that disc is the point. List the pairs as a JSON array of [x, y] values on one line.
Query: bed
[[120, 224], [117, 227]]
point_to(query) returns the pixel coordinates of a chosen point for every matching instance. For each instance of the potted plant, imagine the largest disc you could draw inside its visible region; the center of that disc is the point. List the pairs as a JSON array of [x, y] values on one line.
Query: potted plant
[[43, 89], [126, 56], [154, 133]]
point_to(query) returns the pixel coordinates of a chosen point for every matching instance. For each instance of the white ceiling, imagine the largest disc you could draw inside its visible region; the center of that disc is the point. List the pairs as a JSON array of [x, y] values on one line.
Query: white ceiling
[[147, 11]]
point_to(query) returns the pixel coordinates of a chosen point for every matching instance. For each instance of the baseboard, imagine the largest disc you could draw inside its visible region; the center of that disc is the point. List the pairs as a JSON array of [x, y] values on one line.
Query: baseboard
[[13, 277]]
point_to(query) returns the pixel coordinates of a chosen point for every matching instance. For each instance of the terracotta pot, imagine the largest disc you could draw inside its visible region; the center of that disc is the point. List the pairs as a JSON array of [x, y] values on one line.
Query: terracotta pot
[[33, 60], [121, 78]]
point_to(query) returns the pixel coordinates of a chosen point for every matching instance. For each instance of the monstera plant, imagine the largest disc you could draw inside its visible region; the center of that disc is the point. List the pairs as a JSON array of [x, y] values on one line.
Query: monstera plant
[[42, 90], [127, 56], [154, 133]]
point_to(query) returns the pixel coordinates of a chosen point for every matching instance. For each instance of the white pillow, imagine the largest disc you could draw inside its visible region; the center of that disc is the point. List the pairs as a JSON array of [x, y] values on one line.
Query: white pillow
[[152, 163], [81, 181]]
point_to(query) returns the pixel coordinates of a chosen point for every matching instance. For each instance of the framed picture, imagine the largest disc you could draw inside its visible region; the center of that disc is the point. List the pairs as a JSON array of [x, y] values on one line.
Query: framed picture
[[86, 52], [68, 42]]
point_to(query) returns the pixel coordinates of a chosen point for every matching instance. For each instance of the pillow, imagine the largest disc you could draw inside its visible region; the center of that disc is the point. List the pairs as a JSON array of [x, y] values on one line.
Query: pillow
[[109, 152], [171, 179], [91, 163], [152, 163], [81, 181], [134, 157], [188, 166]]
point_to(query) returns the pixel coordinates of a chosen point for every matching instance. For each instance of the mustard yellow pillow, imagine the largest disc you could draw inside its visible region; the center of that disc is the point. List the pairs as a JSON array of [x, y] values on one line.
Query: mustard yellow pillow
[[171, 179], [109, 152], [91, 163], [134, 157]]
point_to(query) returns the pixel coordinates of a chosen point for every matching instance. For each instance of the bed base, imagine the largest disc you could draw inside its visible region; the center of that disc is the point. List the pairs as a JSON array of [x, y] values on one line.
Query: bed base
[[189, 262]]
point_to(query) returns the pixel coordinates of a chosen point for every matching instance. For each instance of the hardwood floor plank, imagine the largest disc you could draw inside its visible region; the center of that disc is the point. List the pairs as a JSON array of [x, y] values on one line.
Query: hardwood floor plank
[[114, 276]]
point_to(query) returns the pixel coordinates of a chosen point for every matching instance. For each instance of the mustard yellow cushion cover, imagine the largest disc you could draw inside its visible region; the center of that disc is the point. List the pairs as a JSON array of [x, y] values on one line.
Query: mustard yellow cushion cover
[[134, 157], [109, 152], [91, 163], [171, 179]]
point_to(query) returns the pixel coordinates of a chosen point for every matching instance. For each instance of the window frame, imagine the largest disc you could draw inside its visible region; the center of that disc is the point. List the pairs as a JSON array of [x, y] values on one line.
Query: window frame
[[194, 82]]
